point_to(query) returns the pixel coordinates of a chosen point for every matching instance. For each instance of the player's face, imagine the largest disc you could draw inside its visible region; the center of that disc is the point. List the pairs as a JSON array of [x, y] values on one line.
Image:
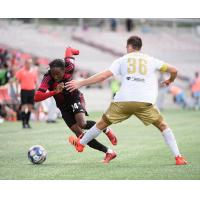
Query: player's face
[[129, 48], [57, 74], [28, 63]]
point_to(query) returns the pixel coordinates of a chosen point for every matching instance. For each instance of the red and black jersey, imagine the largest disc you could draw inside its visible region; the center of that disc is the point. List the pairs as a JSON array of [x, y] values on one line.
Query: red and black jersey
[[69, 66], [65, 98]]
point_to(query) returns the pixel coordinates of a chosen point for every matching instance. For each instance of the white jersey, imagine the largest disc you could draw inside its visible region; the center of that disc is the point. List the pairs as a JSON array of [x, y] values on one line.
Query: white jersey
[[138, 77]]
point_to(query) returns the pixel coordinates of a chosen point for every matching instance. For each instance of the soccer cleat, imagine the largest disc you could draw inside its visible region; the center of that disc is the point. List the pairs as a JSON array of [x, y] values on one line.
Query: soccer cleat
[[75, 142], [28, 126], [180, 160], [111, 136], [24, 126], [69, 52], [109, 157]]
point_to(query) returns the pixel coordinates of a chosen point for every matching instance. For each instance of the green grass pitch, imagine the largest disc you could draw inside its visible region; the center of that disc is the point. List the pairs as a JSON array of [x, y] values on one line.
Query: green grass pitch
[[142, 153]]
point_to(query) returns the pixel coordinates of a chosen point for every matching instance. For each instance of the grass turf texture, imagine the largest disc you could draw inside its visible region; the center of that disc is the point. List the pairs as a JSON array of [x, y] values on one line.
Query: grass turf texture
[[142, 153]]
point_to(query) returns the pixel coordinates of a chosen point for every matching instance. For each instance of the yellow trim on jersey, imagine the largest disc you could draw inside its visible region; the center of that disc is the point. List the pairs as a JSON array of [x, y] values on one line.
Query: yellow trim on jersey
[[163, 68]]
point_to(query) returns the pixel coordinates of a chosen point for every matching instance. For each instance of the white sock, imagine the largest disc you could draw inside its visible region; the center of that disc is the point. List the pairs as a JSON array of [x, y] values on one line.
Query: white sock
[[106, 130], [90, 135], [109, 150], [171, 141]]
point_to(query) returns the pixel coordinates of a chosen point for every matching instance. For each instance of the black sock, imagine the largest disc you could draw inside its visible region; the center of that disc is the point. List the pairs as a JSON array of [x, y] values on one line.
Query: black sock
[[23, 116], [28, 114], [97, 145], [90, 124]]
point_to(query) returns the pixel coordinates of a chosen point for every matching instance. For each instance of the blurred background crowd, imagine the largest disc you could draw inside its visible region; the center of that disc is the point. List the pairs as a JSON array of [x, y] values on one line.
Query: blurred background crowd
[[100, 41]]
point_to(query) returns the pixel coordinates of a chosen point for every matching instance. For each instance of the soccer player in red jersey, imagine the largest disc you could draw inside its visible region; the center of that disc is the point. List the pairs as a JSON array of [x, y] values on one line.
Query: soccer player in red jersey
[[71, 104]]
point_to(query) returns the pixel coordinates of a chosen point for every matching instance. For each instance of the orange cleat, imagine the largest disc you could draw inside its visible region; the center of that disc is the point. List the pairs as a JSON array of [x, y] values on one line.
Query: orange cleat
[[111, 136], [180, 160], [109, 157], [75, 142]]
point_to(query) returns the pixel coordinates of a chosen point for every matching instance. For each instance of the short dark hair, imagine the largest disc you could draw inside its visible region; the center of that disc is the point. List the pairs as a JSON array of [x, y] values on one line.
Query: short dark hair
[[135, 42], [57, 63]]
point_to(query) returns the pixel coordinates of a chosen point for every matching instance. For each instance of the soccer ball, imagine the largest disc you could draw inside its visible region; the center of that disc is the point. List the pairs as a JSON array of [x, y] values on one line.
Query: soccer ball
[[37, 154]]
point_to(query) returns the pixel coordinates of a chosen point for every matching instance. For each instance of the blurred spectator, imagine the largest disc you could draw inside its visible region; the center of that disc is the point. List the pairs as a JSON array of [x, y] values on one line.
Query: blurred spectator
[[6, 110], [161, 93], [115, 85], [195, 87], [4, 75], [3, 57], [1, 119], [113, 24], [50, 107], [179, 96], [11, 61], [6, 107], [4, 95], [27, 78], [1, 114], [129, 25], [11, 115]]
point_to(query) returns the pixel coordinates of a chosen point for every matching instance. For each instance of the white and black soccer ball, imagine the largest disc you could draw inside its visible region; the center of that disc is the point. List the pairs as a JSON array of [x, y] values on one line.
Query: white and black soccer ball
[[37, 154]]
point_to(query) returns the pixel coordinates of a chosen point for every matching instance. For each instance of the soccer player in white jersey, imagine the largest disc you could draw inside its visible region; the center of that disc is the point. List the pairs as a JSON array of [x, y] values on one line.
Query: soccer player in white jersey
[[136, 96]]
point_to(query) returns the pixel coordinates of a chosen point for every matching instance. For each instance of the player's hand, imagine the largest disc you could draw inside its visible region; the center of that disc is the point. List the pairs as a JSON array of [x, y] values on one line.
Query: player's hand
[[166, 83], [72, 85], [59, 88]]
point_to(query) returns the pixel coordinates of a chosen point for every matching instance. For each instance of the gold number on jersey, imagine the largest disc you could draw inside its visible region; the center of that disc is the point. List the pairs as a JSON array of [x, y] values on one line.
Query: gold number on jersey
[[142, 66], [133, 63]]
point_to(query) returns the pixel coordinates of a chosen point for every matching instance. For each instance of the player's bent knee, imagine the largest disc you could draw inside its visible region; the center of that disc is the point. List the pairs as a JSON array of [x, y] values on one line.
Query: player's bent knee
[[102, 124], [73, 129], [30, 107], [76, 130], [82, 124], [161, 125], [23, 108]]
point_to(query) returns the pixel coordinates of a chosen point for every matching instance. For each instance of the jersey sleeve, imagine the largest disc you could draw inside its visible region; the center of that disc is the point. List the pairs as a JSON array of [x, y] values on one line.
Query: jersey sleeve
[[115, 67], [44, 86], [159, 65], [40, 96]]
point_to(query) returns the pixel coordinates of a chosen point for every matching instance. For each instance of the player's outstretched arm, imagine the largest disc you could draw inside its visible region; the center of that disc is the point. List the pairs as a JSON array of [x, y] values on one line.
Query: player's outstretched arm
[[99, 77], [173, 74], [40, 96]]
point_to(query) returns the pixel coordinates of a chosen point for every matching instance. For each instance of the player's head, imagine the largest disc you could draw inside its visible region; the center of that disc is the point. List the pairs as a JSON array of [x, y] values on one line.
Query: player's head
[[28, 63], [57, 69], [134, 43]]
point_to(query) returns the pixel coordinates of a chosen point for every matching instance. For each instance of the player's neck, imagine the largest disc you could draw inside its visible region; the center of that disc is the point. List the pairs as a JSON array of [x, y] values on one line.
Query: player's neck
[[133, 51], [27, 69]]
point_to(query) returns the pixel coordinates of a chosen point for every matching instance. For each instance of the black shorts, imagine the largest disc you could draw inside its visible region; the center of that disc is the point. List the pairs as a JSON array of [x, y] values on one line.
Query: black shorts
[[68, 113], [27, 97]]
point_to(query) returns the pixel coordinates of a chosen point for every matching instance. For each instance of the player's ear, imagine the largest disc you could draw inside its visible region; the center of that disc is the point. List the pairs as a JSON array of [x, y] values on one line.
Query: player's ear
[[129, 48]]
